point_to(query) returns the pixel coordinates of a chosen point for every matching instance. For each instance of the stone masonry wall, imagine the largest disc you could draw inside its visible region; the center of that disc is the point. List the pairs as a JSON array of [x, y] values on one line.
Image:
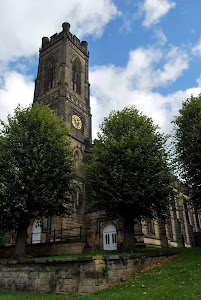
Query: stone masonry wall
[[47, 249], [72, 276]]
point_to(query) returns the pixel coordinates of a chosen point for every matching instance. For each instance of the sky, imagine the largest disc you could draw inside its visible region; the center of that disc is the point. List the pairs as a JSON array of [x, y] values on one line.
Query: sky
[[145, 53]]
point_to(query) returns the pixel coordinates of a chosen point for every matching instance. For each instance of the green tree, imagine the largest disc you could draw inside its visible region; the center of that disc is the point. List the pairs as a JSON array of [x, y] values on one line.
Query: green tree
[[129, 176], [36, 170], [187, 142]]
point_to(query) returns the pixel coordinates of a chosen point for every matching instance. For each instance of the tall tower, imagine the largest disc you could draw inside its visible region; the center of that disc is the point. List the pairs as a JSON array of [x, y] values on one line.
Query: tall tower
[[62, 83]]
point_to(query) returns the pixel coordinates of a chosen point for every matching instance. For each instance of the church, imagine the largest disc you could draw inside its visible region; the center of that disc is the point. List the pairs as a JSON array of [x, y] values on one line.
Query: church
[[62, 83]]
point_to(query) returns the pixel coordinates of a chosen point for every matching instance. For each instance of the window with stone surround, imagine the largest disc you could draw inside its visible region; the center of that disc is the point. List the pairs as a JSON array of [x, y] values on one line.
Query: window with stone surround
[[50, 74], [76, 75]]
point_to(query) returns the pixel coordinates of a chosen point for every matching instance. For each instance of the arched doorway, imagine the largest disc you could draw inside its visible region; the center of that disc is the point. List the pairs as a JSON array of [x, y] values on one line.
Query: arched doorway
[[110, 237], [36, 232]]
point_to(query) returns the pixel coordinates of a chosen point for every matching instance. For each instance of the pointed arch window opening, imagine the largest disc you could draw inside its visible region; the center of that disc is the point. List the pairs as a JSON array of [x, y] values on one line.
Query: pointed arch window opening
[[50, 74], [77, 160], [151, 227], [76, 76]]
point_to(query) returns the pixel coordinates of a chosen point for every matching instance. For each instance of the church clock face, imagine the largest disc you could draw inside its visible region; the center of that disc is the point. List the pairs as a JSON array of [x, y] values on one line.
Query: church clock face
[[76, 121]]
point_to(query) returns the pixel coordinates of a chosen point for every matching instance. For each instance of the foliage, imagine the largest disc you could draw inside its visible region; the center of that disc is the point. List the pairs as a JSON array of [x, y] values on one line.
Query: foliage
[[129, 175], [36, 169], [187, 142], [2, 237]]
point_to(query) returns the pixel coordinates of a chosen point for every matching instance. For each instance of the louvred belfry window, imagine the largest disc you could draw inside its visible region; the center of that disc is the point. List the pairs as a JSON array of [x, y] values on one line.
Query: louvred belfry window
[[76, 76], [50, 74]]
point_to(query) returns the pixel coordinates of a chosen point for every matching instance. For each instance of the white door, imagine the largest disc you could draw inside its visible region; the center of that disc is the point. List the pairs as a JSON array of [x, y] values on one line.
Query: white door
[[36, 232], [110, 237]]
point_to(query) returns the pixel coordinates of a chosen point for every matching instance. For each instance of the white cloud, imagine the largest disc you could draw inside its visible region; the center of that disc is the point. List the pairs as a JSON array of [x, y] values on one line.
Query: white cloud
[[17, 89], [155, 10], [114, 88], [197, 48], [161, 37], [26, 21], [177, 62], [142, 69], [199, 81]]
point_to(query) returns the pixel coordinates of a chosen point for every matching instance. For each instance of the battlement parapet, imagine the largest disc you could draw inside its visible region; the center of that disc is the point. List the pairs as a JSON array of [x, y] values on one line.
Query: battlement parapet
[[47, 42]]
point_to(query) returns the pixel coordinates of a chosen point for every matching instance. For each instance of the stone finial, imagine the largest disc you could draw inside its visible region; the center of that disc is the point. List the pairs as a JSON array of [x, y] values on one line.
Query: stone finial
[[66, 27], [84, 46], [45, 40]]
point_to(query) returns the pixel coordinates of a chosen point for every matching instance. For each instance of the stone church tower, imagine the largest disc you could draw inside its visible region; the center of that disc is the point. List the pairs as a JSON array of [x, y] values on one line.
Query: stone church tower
[[62, 84]]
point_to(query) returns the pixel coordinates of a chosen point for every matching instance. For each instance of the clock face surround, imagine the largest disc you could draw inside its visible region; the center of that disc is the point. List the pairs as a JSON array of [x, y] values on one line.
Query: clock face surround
[[76, 121]]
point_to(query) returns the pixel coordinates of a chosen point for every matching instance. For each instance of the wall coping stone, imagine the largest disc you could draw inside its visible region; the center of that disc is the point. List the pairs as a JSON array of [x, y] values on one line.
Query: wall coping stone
[[72, 240], [84, 258]]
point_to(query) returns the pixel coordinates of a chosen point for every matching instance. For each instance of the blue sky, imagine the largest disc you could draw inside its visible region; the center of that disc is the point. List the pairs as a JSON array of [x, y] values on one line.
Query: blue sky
[[145, 53]]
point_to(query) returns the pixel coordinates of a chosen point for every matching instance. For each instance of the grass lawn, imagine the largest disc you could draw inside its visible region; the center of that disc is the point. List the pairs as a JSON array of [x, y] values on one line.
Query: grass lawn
[[177, 278]]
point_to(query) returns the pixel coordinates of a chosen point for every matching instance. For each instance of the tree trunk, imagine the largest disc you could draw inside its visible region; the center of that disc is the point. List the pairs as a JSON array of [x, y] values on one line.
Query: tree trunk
[[129, 244], [20, 245]]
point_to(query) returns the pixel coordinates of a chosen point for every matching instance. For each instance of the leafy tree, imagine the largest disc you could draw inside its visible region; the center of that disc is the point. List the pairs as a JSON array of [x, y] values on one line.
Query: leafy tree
[[36, 170], [129, 176], [187, 142]]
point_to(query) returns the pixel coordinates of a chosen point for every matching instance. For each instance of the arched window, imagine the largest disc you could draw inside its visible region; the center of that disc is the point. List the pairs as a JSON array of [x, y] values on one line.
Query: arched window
[[50, 74], [169, 230], [76, 76], [151, 227], [77, 157]]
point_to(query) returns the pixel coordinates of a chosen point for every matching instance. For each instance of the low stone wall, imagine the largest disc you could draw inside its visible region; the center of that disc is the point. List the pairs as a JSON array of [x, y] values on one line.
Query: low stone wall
[[72, 276], [47, 249]]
